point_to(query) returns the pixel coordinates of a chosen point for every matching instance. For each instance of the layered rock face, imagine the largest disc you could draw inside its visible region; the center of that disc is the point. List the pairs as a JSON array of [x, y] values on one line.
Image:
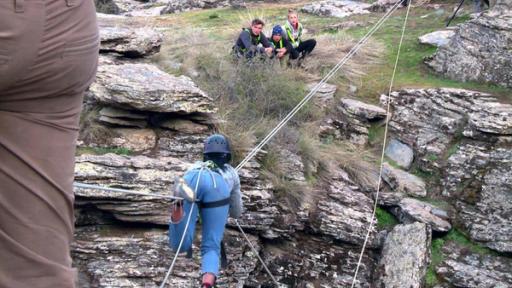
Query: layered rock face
[[352, 120], [160, 121], [464, 137], [480, 49]]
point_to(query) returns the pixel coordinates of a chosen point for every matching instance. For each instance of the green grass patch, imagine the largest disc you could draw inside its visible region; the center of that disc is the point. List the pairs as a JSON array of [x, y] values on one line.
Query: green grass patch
[[385, 220], [392, 162], [103, 150], [425, 175], [431, 277], [451, 150], [411, 71], [376, 133], [437, 256], [431, 157], [460, 238]]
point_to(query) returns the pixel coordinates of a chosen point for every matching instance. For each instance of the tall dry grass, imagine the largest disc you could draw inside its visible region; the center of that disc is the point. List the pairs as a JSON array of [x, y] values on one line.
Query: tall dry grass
[[331, 48]]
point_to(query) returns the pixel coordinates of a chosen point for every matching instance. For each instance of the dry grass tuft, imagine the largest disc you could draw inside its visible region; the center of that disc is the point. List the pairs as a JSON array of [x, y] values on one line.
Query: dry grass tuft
[[358, 163], [331, 49]]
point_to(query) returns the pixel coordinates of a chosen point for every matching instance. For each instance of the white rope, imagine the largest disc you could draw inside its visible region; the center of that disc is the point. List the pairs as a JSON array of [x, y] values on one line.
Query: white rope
[[257, 253], [285, 120], [184, 233], [329, 75], [117, 190], [383, 146]]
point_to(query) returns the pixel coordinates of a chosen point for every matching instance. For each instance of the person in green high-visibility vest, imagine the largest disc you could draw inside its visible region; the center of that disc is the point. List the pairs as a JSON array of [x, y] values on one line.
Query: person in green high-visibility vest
[[253, 42], [281, 45], [293, 33]]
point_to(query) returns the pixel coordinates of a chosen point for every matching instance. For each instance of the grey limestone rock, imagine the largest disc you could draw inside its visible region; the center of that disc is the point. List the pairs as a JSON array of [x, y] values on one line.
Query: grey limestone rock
[[405, 257], [401, 153], [463, 268], [184, 125], [307, 259], [480, 49], [324, 95], [437, 38], [340, 8], [130, 42], [352, 120], [146, 88], [176, 6], [410, 210], [139, 173], [403, 182]]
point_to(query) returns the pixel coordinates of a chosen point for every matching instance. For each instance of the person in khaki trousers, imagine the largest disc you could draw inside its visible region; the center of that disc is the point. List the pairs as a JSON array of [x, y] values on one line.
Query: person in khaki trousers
[[48, 58]]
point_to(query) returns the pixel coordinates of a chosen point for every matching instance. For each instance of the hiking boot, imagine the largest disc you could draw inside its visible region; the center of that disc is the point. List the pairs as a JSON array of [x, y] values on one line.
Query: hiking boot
[[208, 280], [177, 212]]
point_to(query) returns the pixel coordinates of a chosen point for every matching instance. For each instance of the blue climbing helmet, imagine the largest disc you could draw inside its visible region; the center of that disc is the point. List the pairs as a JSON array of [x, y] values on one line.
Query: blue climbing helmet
[[216, 143]]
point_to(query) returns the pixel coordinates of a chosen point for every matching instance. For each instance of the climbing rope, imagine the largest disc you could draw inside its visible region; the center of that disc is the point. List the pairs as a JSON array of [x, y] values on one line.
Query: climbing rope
[[184, 232], [301, 104], [383, 146], [329, 75], [257, 254], [117, 190]]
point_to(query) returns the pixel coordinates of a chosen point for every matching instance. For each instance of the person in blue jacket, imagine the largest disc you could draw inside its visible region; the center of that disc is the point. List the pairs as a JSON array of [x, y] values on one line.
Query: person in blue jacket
[[216, 186]]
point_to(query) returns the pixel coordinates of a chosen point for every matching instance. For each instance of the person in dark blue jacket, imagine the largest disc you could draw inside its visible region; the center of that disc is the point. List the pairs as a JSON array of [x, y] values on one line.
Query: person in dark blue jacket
[[216, 194]]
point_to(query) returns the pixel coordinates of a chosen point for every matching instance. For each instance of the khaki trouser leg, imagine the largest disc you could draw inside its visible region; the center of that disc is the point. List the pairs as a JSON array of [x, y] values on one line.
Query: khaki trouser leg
[[48, 57]]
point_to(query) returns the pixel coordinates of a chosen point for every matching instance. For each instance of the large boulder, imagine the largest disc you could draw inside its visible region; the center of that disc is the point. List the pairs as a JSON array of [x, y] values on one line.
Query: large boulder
[[176, 6], [411, 210], [405, 257], [437, 38], [340, 9], [480, 49], [403, 182], [352, 121], [130, 42], [144, 87]]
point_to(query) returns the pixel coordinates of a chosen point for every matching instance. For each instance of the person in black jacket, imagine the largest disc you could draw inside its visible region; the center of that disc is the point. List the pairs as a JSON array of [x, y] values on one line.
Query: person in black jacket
[[252, 41], [281, 45]]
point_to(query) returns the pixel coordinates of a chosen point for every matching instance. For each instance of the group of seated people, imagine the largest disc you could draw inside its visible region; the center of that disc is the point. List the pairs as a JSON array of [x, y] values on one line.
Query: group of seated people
[[285, 40]]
